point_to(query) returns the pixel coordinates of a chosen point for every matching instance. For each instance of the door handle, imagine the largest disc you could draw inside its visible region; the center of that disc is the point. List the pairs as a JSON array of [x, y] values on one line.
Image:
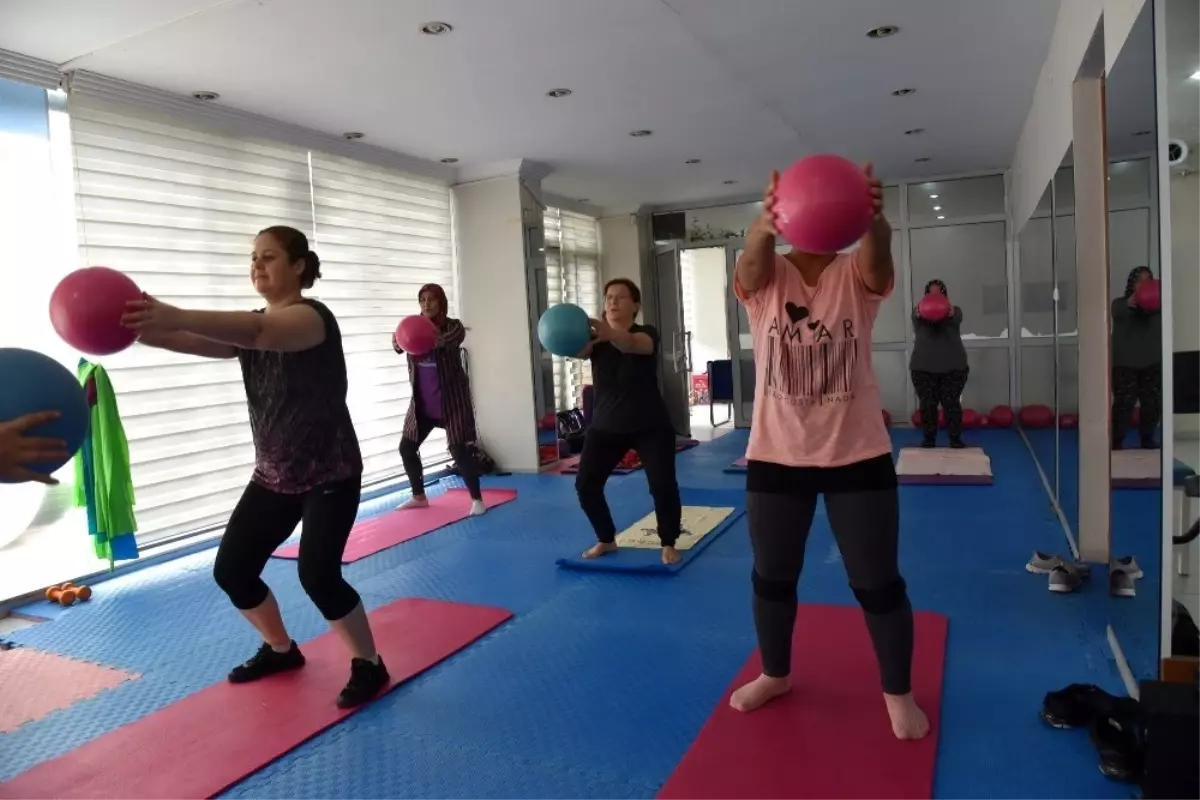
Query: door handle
[[689, 366]]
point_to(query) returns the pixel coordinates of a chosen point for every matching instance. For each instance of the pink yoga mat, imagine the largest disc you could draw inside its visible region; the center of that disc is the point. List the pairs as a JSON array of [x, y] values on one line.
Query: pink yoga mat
[[830, 737], [379, 533], [208, 741]]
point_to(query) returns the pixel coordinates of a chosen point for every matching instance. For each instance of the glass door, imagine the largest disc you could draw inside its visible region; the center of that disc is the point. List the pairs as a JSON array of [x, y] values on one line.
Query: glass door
[[675, 339]]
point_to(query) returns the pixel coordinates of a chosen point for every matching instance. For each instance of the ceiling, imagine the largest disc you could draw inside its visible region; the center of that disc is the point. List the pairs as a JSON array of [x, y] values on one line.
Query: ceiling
[[744, 87]]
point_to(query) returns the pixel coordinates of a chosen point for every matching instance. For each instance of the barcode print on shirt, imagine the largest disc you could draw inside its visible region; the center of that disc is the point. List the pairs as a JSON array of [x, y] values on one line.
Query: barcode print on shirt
[[802, 370]]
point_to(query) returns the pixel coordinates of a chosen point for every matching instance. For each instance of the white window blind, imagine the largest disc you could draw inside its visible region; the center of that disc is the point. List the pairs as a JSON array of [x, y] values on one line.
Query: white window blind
[[381, 236], [572, 276], [177, 211]]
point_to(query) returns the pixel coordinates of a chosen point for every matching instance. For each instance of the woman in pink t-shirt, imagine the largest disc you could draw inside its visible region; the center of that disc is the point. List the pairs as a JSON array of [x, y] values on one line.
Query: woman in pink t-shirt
[[818, 430]]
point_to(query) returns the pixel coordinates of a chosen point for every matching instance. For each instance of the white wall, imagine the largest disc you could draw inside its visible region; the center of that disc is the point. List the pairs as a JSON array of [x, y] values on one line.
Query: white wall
[[495, 308], [619, 254], [1048, 128], [709, 333]]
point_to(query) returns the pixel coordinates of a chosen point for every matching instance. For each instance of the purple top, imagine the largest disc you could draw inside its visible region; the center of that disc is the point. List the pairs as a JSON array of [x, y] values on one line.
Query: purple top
[[303, 434], [429, 388]]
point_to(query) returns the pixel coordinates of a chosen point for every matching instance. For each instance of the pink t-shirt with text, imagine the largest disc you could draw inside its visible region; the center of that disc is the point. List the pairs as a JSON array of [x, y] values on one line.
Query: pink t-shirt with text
[[816, 401]]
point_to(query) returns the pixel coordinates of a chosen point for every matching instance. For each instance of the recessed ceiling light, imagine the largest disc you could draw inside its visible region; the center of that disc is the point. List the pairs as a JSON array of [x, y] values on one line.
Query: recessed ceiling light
[[729, 183], [1196, 75], [922, 159], [207, 97], [933, 197], [436, 28], [640, 134], [937, 208], [940, 216], [1142, 133], [449, 160], [882, 32], [558, 93], [902, 92], [914, 131], [692, 161], [352, 135]]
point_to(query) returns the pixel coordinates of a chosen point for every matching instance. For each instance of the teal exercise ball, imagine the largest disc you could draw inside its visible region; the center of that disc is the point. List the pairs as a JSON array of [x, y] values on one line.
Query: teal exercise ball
[[564, 329], [32, 382]]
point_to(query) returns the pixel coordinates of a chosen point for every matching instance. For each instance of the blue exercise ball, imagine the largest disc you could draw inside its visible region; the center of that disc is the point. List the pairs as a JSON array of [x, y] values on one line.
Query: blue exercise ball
[[31, 382], [564, 329]]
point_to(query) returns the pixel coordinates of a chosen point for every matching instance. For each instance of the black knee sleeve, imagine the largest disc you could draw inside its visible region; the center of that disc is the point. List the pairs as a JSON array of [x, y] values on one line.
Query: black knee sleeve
[[329, 591], [245, 591], [773, 591], [883, 600]]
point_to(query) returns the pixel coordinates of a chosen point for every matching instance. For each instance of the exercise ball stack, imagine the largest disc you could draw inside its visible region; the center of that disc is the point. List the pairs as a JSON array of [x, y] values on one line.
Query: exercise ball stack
[[823, 204], [1036, 417], [564, 329], [34, 382], [416, 335], [1001, 417], [86, 309]]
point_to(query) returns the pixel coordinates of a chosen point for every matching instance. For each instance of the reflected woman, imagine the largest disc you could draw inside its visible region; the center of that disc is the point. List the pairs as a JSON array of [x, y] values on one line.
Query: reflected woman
[[1136, 363], [939, 370]]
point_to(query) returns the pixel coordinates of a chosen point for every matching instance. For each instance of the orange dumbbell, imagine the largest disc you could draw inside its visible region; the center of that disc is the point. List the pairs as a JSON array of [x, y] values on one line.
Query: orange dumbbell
[[66, 597]]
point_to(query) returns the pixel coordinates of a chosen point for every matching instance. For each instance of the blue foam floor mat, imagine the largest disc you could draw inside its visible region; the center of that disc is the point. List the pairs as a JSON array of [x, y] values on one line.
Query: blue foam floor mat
[[649, 562], [603, 680]]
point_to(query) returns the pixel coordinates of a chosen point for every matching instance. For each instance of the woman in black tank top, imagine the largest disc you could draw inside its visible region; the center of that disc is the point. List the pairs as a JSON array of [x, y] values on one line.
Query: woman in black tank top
[[308, 468]]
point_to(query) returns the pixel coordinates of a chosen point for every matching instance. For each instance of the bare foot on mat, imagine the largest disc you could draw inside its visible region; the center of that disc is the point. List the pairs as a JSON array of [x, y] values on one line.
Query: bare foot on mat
[[670, 555], [758, 692], [908, 720], [600, 549]]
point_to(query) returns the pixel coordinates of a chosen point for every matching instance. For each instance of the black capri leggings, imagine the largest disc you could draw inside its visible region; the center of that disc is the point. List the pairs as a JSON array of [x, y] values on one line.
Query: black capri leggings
[[603, 451], [866, 527], [264, 519]]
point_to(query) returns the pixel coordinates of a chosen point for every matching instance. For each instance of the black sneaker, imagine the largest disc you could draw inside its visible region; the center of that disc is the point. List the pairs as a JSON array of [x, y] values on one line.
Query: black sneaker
[[1079, 705], [928, 442], [957, 443], [1118, 740], [367, 679], [267, 662]]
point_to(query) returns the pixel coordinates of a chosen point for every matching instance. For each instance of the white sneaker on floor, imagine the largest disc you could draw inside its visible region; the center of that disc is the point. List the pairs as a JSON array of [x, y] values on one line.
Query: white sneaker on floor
[[1120, 584], [1045, 563], [1128, 565], [1064, 578], [478, 508]]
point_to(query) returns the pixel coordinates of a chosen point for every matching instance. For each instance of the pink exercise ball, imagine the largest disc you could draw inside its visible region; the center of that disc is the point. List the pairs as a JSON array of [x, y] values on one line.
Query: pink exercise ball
[[1036, 417], [416, 335], [970, 418], [1148, 295], [823, 204], [934, 307], [1001, 417], [86, 309]]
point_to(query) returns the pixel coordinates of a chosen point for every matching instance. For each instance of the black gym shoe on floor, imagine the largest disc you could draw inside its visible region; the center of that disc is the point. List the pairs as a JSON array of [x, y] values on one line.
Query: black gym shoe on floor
[[367, 679], [1080, 704], [267, 662], [957, 443], [928, 442]]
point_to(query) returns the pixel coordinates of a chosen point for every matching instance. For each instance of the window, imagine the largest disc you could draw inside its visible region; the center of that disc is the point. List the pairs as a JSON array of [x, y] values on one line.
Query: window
[[381, 236], [176, 208], [572, 276]]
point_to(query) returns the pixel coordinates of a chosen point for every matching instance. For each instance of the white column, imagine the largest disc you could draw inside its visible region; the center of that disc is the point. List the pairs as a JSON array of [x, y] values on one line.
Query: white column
[[494, 302], [1091, 264]]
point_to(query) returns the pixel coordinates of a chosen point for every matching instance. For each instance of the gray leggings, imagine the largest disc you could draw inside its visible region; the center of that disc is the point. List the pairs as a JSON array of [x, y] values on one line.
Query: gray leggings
[[866, 527]]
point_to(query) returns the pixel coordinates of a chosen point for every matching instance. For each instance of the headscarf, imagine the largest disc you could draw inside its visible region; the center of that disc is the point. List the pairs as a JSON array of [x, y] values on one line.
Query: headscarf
[[438, 292], [1134, 276], [939, 284]]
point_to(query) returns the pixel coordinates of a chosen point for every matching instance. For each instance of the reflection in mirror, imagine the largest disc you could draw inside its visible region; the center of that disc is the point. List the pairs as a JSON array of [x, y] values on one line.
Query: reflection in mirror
[[1135, 352], [1066, 346], [1180, 88]]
